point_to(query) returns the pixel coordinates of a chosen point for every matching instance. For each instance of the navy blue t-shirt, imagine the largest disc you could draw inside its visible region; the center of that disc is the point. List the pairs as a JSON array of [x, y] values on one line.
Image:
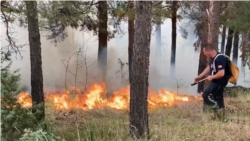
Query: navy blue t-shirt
[[221, 63]]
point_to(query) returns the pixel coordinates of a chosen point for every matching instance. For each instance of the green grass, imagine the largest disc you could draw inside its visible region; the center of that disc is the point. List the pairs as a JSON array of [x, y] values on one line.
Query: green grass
[[185, 121]]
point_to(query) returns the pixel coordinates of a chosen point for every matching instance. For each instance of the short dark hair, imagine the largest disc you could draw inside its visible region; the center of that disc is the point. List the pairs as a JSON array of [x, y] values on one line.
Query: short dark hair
[[209, 47]]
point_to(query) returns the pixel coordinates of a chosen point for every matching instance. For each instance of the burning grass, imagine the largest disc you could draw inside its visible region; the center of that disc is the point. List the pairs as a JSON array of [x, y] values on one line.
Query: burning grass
[[93, 116], [96, 98], [182, 121]]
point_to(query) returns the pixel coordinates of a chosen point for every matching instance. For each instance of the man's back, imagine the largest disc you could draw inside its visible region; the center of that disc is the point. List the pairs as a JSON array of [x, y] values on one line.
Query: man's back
[[220, 63]]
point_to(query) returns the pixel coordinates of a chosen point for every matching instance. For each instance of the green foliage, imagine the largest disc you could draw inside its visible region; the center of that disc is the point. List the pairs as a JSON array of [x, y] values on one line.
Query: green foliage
[[238, 17], [161, 12], [9, 82], [14, 118], [56, 16], [123, 11]]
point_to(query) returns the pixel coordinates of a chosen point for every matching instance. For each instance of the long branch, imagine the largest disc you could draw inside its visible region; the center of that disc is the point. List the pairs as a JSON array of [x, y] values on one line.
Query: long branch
[[12, 43]]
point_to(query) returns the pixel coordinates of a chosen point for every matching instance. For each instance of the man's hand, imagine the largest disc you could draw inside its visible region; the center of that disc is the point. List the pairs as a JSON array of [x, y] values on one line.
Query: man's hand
[[197, 79], [210, 78]]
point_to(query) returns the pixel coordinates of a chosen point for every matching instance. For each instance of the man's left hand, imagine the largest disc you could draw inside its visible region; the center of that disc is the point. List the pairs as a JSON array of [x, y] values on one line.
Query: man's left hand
[[210, 78]]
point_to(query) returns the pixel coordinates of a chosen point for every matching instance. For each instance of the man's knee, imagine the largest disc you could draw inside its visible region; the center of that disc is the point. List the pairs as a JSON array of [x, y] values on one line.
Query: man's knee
[[206, 92], [207, 95]]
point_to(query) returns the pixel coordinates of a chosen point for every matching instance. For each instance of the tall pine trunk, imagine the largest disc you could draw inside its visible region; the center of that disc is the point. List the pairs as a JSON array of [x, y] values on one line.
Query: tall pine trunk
[[229, 42], [236, 47], [203, 58], [210, 33], [131, 31], [35, 58], [213, 23], [103, 37], [138, 115], [173, 46], [223, 39], [213, 29]]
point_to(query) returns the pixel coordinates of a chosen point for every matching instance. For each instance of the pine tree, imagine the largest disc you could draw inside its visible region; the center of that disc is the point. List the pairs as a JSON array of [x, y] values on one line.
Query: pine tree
[[140, 67], [14, 118]]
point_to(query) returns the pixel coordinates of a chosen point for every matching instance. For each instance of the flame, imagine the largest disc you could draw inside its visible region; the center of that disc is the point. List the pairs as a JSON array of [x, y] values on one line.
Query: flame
[[96, 98], [24, 99]]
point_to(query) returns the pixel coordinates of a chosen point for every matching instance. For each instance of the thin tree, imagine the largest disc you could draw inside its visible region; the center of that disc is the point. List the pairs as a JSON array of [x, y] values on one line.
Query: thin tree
[[223, 20], [229, 41], [103, 37], [174, 22], [131, 31], [223, 39], [236, 47], [35, 57], [138, 115]]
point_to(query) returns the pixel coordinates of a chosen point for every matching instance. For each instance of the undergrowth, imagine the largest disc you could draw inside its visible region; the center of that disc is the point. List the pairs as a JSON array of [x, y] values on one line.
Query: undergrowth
[[16, 121], [185, 121]]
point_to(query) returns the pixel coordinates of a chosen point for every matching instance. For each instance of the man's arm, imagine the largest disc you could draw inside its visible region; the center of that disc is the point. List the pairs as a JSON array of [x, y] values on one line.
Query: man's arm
[[205, 72], [220, 66]]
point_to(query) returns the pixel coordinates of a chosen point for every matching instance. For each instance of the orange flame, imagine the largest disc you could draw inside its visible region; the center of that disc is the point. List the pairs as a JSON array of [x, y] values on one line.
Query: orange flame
[[96, 98]]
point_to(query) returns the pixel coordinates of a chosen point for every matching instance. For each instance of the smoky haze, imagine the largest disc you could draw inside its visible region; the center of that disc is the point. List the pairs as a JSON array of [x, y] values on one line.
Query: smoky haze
[[159, 74], [55, 57], [54, 69]]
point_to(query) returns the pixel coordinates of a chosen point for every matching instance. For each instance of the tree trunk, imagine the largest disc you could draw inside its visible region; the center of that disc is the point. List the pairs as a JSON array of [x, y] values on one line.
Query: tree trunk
[[210, 34], [103, 37], [130, 38], [158, 34], [229, 42], [158, 41], [223, 39], [173, 47], [35, 58], [213, 32], [158, 54], [236, 47], [244, 50], [140, 68], [158, 48], [213, 23], [203, 58]]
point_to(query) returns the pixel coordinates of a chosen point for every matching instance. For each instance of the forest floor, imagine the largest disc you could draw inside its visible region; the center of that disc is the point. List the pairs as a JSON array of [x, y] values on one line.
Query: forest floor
[[178, 123]]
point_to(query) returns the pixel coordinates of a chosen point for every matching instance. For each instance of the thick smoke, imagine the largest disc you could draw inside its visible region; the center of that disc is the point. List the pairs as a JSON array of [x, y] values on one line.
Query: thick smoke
[[54, 70], [159, 74]]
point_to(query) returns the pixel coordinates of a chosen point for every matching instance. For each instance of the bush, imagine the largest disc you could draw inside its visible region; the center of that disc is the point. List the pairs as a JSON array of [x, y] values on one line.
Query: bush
[[14, 118]]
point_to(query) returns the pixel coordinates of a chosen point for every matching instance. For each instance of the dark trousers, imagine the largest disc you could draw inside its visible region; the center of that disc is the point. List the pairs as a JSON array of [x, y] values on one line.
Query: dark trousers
[[214, 94]]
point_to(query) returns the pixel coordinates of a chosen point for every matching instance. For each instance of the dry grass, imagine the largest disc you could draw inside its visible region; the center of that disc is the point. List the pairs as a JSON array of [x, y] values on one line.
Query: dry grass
[[180, 122]]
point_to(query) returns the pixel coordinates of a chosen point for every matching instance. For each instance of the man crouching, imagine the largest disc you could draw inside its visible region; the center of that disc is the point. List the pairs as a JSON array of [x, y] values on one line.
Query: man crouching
[[218, 70]]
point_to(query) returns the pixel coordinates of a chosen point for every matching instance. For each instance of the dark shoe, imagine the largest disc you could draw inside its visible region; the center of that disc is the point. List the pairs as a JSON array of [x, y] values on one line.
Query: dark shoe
[[220, 114]]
